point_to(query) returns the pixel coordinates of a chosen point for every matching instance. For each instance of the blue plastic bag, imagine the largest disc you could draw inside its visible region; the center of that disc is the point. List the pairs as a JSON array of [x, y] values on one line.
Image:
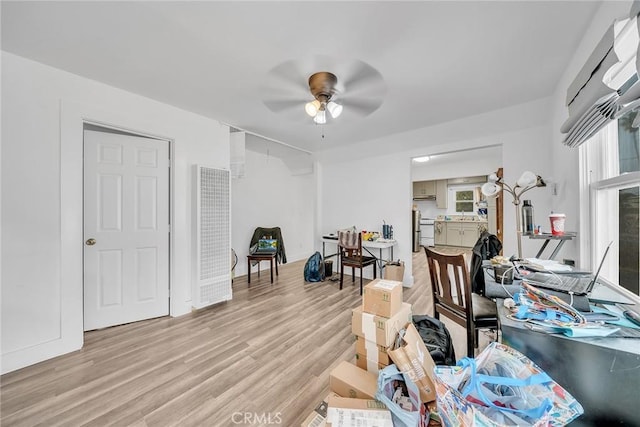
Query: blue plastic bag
[[501, 387], [387, 378]]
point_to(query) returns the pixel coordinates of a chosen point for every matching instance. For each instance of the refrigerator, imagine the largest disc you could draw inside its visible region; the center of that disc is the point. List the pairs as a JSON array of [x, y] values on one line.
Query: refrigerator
[[415, 227]]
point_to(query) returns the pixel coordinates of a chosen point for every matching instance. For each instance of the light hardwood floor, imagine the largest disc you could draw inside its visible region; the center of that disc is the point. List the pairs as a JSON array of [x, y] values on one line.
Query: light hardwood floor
[[269, 351]]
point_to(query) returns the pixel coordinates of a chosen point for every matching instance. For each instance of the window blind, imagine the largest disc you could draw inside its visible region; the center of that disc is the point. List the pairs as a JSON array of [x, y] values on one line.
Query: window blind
[[607, 86]]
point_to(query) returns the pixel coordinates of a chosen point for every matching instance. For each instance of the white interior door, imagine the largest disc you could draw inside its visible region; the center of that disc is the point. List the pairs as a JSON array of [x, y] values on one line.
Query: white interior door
[[126, 229]]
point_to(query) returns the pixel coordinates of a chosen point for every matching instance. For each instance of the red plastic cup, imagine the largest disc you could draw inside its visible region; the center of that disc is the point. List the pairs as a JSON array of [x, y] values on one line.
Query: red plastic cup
[[557, 224]]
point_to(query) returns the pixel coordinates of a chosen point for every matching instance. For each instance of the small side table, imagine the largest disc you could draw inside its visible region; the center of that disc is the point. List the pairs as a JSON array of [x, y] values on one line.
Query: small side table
[[261, 257], [549, 237]]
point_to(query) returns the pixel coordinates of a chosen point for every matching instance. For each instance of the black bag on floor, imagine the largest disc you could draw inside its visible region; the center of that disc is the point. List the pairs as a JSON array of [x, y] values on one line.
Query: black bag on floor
[[314, 268], [437, 339]]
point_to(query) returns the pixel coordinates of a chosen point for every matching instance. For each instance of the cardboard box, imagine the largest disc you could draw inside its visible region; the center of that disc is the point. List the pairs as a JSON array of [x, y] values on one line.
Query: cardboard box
[[364, 411], [372, 351], [382, 297], [368, 365], [394, 271], [378, 329], [414, 360], [347, 380], [317, 418]]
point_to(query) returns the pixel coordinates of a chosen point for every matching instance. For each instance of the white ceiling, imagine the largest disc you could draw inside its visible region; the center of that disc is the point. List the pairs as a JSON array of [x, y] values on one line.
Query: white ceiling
[[439, 60]]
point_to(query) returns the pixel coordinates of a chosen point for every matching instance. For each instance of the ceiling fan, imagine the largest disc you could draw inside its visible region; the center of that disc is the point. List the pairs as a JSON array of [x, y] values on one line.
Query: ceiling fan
[[351, 88], [322, 86]]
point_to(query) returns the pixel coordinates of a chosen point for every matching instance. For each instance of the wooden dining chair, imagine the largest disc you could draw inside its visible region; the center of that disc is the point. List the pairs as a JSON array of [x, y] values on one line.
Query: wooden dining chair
[[453, 298], [350, 247]]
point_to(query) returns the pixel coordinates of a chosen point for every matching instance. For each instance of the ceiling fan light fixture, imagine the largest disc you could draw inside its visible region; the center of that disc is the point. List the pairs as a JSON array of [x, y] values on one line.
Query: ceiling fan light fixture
[[312, 107], [320, 118], [322, 86], [335, 109]]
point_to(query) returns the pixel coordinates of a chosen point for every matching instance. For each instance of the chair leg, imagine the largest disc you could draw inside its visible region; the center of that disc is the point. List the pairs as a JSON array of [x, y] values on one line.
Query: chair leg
[[271, 269], [472, 338], [470, 344], [353, 275], [341, 274], [374, 269], [361, 281]]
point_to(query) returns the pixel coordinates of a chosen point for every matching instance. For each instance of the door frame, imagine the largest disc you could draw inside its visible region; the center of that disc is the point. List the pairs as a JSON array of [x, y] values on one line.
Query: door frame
[[117, 130], [73, 116]]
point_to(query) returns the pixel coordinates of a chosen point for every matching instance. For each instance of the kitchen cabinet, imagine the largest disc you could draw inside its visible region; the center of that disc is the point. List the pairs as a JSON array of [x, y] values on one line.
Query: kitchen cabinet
[[469, 234], [463, 234], [468, 180], [440, 233], [424, 189], [442, 198]]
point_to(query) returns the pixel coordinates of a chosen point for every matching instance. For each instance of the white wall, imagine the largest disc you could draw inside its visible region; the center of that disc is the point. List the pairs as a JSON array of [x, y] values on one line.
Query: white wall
[[363, 187], [359, 193], [270, 196], [527, 150], [42, 113], [473, 162], [565, 161]]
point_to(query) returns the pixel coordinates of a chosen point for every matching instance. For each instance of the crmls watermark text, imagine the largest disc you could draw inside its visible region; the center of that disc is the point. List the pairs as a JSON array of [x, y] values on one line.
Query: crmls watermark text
[[264, 418]]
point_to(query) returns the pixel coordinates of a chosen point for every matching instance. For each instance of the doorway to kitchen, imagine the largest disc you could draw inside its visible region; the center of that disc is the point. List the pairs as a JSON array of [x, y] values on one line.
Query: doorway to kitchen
[[446, 193]]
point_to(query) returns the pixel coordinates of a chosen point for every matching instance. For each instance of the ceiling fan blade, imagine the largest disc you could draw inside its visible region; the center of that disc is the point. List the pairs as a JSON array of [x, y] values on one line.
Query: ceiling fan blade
[[287, 78], [280, 105], [362, 78], [362, 106]]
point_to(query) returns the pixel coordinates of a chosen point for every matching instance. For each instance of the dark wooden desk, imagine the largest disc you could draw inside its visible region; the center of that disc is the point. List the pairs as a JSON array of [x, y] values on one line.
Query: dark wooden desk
[[603, 374], [261, 257]]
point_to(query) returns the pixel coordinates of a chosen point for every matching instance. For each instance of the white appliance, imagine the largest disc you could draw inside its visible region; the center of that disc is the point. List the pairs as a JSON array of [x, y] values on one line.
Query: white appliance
[[427, 232]]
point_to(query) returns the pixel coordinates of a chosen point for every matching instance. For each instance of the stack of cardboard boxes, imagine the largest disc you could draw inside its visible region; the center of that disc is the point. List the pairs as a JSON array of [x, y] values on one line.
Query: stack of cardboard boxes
[[375, 324]]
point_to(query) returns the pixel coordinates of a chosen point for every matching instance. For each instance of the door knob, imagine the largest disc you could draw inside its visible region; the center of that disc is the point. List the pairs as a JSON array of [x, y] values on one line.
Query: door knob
[[91, 242]]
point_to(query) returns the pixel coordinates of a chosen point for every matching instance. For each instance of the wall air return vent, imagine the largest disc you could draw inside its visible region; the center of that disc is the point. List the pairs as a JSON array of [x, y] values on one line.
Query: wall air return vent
[[212, 260]]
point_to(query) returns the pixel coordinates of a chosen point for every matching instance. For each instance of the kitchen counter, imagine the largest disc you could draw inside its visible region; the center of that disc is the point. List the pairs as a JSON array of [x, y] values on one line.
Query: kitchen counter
[[458, 231], [473, 221]]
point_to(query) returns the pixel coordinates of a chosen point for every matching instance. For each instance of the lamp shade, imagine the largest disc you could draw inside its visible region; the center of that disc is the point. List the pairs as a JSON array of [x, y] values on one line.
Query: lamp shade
[[527, 179], [334, 109], [490, 189], [321, 117], [312, 107]]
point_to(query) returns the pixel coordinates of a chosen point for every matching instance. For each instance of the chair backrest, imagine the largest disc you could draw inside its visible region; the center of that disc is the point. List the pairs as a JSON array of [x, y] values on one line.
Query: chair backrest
[[350, 243], [451, 286]]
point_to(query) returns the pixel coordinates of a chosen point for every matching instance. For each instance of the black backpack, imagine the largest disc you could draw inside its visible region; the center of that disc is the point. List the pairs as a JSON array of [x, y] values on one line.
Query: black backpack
[[314, 268], [437, 339]]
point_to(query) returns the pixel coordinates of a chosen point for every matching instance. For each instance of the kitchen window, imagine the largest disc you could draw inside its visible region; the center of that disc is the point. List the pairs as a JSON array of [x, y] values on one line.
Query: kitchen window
[[611, 161], [463, 199]]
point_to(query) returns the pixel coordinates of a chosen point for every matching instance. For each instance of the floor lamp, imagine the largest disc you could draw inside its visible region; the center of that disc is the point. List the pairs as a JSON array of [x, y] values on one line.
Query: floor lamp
[[526, 182]]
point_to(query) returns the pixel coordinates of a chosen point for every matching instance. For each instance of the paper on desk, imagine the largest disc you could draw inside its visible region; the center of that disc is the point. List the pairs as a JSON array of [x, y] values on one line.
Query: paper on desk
[[612, 309], [546, 264], [577, 331]]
